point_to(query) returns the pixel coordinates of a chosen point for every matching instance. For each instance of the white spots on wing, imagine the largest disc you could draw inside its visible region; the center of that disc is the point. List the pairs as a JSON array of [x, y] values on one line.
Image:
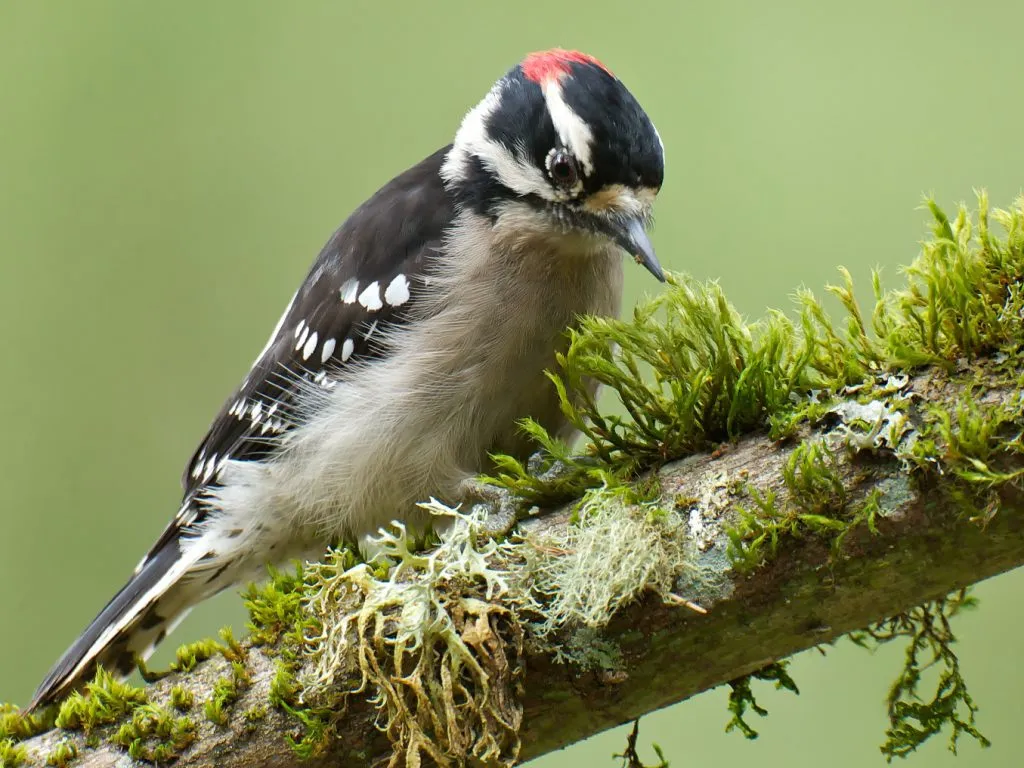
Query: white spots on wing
[[203, 471], [276, 426], [257, 412], [327, 350], [211, 466], [370, 298], [307, 350], [349, 291], [197, 465], [273, 410], [302, 338], [186, 516], [347, 348], [397, 292], [299, 327], [323, 380]]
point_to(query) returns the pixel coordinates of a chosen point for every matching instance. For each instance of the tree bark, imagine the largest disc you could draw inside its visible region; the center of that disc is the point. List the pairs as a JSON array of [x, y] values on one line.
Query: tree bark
[[726, 624]]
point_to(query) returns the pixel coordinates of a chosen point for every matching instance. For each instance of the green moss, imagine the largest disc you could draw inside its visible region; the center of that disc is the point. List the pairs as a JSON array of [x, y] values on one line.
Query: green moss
[[631, 758], [104, 701], [62, 754], [691, 376], [154, 734], [284, 690], [275, 607], [187, 656], [18, 725], [285, 695], [225, 693], [915, 716], [741, 695], [12, 754], [230, 648], [182, 699], [315, 733]]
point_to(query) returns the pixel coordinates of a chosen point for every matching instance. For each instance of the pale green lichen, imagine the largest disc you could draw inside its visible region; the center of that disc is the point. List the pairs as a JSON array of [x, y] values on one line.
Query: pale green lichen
[[439, 656], [451, 622], [619, 550]]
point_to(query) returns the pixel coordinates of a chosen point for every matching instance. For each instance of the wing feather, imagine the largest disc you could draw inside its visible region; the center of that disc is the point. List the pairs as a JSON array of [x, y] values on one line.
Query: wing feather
[[366, 279]]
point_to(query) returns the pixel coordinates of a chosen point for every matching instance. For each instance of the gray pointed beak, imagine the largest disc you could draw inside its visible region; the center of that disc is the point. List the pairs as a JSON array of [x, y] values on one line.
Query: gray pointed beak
[[632, 237]]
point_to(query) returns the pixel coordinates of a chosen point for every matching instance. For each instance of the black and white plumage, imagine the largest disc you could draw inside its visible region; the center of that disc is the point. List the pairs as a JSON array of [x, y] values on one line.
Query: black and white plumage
[[416, 342]]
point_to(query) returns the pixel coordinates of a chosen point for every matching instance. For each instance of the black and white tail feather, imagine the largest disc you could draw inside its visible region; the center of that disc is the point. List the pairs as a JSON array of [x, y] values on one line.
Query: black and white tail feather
[[416, 343]]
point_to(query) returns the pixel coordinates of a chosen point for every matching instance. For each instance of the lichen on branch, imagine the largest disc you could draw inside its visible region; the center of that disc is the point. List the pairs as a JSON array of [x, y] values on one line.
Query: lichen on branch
[[751, 470]]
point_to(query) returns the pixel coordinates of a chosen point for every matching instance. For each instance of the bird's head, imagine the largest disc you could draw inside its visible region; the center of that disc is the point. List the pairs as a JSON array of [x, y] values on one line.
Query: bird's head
[[560, 139]]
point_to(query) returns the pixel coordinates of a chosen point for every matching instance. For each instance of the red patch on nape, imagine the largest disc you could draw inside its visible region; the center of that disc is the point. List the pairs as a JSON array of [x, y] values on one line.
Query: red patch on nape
[[543, 66]]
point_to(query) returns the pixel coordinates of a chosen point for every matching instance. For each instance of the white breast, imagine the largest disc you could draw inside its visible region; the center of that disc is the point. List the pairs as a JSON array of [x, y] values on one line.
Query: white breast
[[456, 379]]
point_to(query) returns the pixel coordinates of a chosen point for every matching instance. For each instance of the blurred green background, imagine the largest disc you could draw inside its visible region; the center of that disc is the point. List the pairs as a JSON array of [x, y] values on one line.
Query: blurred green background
[[168, 170]]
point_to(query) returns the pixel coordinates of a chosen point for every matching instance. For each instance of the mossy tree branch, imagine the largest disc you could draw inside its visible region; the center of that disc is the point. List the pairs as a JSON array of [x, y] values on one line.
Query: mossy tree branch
[[804, 597], [857, 477]]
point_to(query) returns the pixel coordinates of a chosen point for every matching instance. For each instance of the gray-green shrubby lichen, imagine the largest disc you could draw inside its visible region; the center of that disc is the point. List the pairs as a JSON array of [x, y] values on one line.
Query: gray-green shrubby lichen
[[451, 622]]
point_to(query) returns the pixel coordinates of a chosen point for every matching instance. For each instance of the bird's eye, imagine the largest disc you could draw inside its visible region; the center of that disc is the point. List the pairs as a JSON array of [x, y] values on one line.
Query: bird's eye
[[562, 168]]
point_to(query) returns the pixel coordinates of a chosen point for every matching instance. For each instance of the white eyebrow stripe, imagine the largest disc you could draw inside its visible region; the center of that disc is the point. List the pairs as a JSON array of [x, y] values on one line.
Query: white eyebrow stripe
[[572, 130], [472, 140]]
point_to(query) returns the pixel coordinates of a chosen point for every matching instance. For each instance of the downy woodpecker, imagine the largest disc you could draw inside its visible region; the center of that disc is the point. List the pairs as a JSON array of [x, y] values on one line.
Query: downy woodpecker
[[418, 339]]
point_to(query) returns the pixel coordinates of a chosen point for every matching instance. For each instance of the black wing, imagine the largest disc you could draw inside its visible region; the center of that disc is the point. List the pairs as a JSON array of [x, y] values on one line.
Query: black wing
[[366, 278]]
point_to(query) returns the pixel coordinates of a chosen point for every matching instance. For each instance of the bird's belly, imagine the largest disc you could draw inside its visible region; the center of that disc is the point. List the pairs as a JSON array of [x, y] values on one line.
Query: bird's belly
[[416, 423]]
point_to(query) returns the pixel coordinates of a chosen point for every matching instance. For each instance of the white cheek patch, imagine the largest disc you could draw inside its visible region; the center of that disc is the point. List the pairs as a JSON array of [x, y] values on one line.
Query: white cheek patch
[[574, 133], [472, 140]]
